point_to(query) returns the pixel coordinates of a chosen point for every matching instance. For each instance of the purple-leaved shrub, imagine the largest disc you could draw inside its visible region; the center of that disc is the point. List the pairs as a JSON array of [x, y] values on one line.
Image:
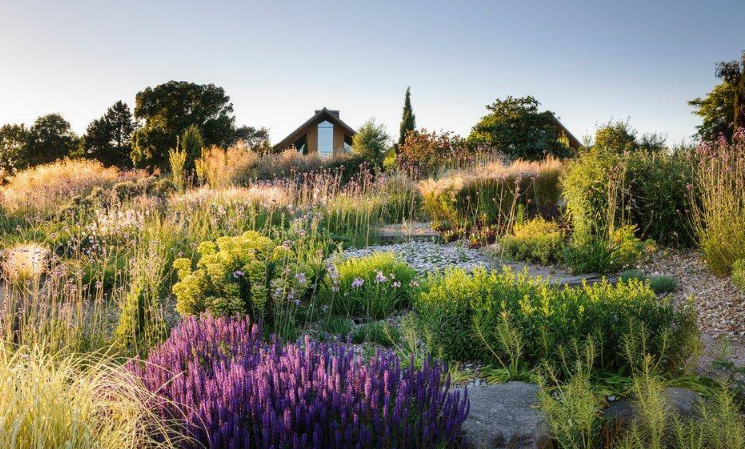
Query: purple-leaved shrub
[[232, 390]]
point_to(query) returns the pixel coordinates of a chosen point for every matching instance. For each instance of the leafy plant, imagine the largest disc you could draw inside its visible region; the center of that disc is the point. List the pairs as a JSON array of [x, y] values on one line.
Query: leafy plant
[[245, 274], [377, 332], [372, 286], [464, 314], [663, 284], [536, 240]]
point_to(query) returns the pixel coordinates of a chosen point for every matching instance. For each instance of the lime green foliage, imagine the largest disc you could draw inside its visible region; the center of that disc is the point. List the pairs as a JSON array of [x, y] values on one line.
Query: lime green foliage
[[717, 424], [537, 240], [603, 255], [373, 286], [573, 413], [239, 275], [463, 315], [377, 332], [738, 273]]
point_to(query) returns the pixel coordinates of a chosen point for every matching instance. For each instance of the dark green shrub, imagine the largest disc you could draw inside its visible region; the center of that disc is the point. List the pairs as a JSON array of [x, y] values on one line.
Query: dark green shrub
[[605, 189], [372, 286], [490, 316], [536, 240]]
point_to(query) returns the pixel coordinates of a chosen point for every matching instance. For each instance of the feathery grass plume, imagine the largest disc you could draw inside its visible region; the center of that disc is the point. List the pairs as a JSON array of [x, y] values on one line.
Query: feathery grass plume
[[52, 401], [25, 262], [45, 188], [177, 162]]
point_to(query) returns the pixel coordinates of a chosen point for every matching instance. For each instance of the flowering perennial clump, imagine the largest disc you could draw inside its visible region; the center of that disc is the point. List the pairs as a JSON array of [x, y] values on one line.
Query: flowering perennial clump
[[235, 391], [240, 275]]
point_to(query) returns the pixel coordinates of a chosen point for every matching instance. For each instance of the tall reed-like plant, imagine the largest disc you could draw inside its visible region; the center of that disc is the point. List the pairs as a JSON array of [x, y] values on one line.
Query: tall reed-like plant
[[718, 201]]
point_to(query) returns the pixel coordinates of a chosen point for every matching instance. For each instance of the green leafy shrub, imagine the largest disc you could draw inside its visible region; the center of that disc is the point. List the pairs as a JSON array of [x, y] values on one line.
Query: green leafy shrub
[[536, 240], [244, 274], [738, 273], [463, 316], [604, 255], [373, 286], [628, 275], [605, 189]]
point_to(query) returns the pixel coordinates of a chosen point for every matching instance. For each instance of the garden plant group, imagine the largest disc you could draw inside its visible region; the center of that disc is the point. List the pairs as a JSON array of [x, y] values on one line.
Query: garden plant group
[[221, 295]]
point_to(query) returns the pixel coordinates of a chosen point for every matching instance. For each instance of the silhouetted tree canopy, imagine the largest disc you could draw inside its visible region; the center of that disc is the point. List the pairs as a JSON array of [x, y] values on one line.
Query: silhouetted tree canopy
[[108, 138], [169, 108]]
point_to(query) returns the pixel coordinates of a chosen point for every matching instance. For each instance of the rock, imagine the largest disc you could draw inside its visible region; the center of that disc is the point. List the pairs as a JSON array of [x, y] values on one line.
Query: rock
[[504, 416], [681, 401]]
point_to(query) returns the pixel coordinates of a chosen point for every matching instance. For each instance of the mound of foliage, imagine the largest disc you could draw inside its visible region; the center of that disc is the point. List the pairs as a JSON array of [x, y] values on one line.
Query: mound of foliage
[[504, 318], [249, 273], [236, 391], [373, 286], [536, 240]]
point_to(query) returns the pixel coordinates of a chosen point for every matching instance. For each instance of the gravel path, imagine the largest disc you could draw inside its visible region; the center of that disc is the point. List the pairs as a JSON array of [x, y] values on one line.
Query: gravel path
[[720, 305]]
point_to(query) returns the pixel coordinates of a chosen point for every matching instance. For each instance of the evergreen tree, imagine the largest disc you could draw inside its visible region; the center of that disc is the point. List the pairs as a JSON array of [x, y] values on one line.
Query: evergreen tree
[[408, 120], [191, 143], [108, 139]]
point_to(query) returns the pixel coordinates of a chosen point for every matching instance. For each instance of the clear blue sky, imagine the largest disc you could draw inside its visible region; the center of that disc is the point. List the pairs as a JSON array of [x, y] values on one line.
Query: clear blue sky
[[279, 60]]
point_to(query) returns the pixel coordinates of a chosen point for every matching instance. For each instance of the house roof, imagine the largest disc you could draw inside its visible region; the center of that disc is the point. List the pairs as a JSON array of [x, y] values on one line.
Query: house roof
[[573, 141], [320, 115]]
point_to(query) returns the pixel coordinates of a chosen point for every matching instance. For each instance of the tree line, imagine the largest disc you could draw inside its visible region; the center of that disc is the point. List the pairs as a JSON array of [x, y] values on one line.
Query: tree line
[[126, 139]]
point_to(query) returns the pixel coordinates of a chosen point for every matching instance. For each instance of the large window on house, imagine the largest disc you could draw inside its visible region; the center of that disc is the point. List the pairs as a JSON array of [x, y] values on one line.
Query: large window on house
[[325, 138]]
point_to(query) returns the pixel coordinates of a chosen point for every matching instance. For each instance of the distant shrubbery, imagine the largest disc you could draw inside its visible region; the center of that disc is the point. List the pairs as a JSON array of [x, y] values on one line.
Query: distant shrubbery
[[44, 188], [244, 393], [239, 166], [501, 318], [491, 196]]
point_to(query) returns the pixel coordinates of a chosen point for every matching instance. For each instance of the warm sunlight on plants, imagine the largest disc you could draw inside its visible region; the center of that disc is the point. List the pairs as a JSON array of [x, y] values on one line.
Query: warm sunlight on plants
[[45, 187], [27, 261], [74, 402]]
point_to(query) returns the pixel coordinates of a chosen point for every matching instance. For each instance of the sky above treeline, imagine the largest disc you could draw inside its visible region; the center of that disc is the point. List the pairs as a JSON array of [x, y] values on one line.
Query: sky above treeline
[[588, 61]]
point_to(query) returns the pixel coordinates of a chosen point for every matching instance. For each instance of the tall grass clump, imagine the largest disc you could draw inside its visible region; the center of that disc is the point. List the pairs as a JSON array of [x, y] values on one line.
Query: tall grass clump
[[50, 401], [44, 188], [490, 316], [718, 202], [220, 168], [242, 392]]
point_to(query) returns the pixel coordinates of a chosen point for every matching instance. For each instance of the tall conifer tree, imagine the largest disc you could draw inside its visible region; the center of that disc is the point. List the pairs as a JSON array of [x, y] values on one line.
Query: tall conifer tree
[[408, 120]]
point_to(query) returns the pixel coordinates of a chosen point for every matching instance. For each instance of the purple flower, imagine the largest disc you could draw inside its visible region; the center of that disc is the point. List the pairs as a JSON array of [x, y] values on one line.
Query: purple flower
[[230, 389], [238, 274], [380, 277], [300, 278], [357, 282]]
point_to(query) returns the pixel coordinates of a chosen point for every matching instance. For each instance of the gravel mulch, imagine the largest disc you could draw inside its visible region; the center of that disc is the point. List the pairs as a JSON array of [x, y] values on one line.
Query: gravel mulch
[[720, 305]]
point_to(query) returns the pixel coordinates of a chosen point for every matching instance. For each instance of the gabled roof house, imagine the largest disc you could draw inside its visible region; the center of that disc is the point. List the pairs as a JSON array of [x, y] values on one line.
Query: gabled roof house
[[324, 133]]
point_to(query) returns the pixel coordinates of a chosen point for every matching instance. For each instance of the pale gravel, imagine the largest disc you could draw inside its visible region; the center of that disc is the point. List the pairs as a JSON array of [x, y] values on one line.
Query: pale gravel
[[719, 304]]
